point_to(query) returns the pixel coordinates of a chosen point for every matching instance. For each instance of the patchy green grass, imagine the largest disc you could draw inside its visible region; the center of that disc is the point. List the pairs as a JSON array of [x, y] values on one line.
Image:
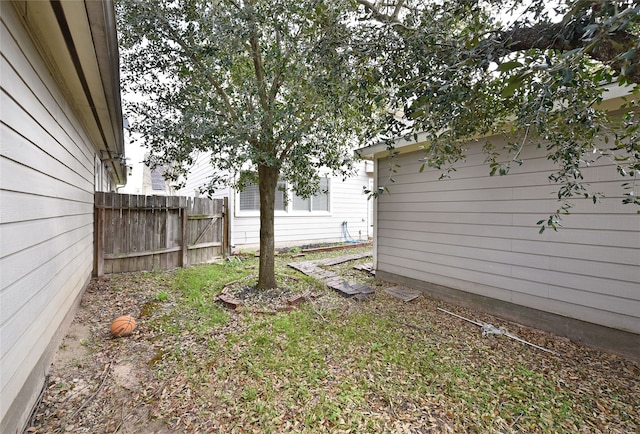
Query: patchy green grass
[[336, 365], [379, 365]]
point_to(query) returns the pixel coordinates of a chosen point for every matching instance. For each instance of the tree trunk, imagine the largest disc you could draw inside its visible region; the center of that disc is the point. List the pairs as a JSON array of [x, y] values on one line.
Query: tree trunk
[[267, 183]]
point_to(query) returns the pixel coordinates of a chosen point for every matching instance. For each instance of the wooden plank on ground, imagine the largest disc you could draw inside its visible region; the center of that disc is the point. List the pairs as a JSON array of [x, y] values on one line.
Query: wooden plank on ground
[[332, 280], [348, 289], [368, 267], [341, 259], [303, 267], [403, 293], [321, 274], [331, 248]]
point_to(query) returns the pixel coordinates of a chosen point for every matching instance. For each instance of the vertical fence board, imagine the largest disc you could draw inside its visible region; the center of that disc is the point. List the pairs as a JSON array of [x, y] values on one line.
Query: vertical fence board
[[155, 232], [184, 244], [143, 240], [109, 234], [202, 225], [98, 257], [149, 225], [126, 229], [135, 233], [116, 238], [197, 227]]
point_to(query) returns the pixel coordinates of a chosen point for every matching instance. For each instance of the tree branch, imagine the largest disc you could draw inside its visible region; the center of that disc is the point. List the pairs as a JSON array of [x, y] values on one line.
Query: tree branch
[[397, 10], [258, 66], [277, 79], [550, 36], [198, 63], [291, 143], [275, 85], [235, 4]]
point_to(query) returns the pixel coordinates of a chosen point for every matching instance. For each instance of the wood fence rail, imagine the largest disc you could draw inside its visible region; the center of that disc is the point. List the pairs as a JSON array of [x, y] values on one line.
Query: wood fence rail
[[136, 233]]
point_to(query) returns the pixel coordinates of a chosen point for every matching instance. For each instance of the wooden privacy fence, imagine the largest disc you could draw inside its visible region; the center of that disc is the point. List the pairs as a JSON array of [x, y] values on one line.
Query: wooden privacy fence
[[135, 233]]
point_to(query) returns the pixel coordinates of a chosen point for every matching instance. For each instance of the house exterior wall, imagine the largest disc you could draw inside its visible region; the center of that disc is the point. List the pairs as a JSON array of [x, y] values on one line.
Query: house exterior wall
[[102, 179], [477, 235], [348, 204], [48, 170], [199, 174]]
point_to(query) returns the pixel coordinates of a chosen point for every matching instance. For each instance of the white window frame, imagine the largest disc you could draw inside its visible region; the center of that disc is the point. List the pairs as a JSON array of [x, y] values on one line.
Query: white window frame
[[288, 211], [311, 212]]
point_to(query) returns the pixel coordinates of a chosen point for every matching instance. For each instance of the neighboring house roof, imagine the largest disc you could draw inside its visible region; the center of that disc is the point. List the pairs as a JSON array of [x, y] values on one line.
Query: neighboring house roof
[[78, 42]]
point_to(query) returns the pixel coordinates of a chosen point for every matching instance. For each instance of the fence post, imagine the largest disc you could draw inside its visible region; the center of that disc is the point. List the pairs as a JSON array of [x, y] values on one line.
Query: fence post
[[225, 230], [98, 215], [185, 238]]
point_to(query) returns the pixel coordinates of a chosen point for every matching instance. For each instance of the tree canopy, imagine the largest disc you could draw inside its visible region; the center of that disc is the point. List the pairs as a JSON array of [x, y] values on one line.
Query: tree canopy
[[272, 89], [534, 70]]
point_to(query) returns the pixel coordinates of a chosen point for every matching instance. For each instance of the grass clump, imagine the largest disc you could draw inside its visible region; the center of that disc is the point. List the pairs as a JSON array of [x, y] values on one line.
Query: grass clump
[[199, 286]]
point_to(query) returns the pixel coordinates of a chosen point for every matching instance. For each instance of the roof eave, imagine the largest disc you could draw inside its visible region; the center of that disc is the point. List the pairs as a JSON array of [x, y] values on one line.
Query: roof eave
[[78, 41]]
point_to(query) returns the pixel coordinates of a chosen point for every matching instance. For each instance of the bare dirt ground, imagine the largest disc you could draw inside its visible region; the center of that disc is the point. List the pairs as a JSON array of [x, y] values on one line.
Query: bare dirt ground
[[95, 378]]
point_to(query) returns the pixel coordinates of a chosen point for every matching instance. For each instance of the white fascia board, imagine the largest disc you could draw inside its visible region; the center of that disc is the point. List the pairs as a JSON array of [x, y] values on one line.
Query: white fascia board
[[370, 152]]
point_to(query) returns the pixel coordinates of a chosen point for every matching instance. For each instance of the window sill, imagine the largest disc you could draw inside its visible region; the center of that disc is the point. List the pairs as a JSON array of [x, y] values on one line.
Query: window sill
[[285, 214]]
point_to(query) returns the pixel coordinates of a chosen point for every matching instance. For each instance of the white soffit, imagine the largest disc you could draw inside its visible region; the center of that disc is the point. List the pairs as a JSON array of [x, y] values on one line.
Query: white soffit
[[63, 33]]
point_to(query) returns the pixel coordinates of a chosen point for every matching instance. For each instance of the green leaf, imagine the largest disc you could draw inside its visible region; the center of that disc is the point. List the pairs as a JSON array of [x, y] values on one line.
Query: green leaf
[[508, 66], [511, 87]]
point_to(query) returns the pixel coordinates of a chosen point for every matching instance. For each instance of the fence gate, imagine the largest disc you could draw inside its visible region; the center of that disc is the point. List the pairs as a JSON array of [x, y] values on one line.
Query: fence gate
[[135, 233]]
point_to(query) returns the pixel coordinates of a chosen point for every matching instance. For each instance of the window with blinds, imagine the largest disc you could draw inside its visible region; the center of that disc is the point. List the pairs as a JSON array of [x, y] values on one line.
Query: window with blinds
[[249, 198]]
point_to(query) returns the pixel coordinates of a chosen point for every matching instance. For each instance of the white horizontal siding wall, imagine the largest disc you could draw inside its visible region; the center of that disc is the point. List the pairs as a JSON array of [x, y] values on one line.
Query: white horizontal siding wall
[[46, 216], [199, 175], [478, 234], [348, 204]]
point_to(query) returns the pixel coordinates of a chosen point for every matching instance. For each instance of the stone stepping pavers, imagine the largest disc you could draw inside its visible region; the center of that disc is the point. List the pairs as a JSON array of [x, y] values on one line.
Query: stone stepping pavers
[[403, 293], [332, 280], [348, 288]]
